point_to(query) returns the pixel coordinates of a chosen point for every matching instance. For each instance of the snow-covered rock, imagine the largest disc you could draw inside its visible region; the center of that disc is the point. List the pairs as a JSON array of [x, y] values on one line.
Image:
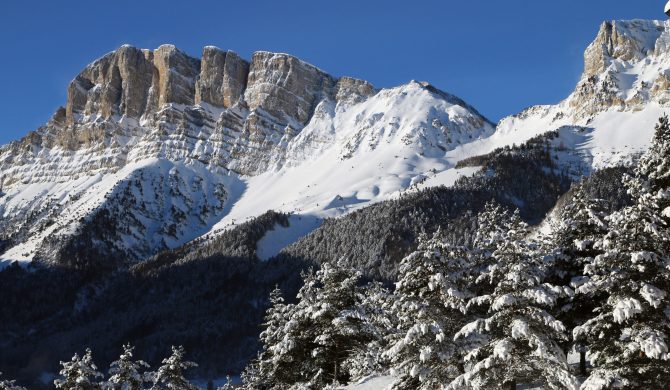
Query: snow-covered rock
[[155, 148], [224, 140], [623, 91]]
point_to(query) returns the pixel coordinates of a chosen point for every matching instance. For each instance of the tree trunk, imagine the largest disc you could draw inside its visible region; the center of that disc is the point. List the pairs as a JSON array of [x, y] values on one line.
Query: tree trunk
[[510, 385], [582, 362]]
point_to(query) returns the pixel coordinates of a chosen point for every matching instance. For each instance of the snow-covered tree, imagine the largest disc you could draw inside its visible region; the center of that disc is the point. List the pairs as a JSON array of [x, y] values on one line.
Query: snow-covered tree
[[329, 311], [517, 339], [124, 374], [6, 384], [80, 373], [628, 332], [574, 241], [309, 342], [268, 369], [378, 323], [430, 307], [170, 375]]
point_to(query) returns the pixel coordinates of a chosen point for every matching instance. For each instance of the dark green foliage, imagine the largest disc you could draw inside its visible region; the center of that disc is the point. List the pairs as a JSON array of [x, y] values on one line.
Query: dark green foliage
[[208, 296]]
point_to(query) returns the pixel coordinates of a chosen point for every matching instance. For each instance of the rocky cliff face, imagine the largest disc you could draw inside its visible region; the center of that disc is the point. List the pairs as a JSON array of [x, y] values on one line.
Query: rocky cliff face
[[199, 128], [622, 92], [246, 110]]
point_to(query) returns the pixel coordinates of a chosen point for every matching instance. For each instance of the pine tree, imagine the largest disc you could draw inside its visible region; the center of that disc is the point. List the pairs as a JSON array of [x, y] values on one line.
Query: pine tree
[[517, 338], [6, 384], [125, 372], [228, 386], [170, 375], [377, 322], [575, 240], [336, 326], [430, 307], [628, 333], [271, 368], [80, 373], [309, 342]]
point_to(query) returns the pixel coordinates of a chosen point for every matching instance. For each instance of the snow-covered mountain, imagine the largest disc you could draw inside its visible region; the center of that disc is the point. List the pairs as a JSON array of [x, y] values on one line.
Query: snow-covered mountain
[[623, 91], [156, 148]]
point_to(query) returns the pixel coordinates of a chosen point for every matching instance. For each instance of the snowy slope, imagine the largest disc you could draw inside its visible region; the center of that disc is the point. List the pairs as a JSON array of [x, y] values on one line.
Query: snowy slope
[[186, 170], [623, 91], [348, 156]]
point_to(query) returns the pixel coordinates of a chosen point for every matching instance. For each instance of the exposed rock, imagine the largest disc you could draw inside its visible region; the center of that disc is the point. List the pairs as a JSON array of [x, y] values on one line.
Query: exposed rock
[[223, 78], [209, 87], [117, 83], [177, 73], [234, 79], [623, 40], [137, 73], [285, 87], [351, 90]]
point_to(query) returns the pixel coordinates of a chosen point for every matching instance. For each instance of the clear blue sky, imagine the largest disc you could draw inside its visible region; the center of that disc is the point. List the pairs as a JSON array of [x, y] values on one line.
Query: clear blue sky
[[500, 56]]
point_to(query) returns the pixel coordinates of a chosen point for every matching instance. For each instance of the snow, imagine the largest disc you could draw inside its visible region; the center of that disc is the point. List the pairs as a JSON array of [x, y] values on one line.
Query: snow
[[350, 157], [75, 200], [503, 349], [653, 295], [280, 237], [520, 329], [384, 382], [652, 343], [503, 301], [626, 308]]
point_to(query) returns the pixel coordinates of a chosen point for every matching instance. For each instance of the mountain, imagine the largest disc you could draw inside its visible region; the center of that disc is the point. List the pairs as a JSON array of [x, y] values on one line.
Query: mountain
[[623, 91], [155, 148], [171, 194]]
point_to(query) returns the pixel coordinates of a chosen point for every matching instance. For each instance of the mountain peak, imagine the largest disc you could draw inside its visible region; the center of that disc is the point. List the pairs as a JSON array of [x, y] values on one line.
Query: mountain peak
[[625, 40]]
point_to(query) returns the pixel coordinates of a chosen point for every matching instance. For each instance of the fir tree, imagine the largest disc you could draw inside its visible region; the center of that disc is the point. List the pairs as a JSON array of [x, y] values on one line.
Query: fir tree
[[80, 373], [329, 305], [628, 333], [309, 342], [430, 307], [575, 240], [125, 372], [170, 375], [6, 384], [517, 338], [378, 323], [270, 369]]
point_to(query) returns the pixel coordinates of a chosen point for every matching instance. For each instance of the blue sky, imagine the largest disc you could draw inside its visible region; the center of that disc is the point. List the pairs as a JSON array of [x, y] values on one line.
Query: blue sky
[[500, 56]]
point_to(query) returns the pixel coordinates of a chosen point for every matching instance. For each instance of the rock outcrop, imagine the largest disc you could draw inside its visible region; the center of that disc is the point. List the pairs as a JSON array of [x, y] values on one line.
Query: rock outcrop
[[177, 74], [132, 82], [626, 68], [621, 40], [286, 87], [223, 78]]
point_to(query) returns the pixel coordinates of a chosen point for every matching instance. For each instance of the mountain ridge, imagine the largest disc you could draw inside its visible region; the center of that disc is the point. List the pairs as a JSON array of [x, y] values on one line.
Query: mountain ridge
[[278, 133], [219, 127]]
